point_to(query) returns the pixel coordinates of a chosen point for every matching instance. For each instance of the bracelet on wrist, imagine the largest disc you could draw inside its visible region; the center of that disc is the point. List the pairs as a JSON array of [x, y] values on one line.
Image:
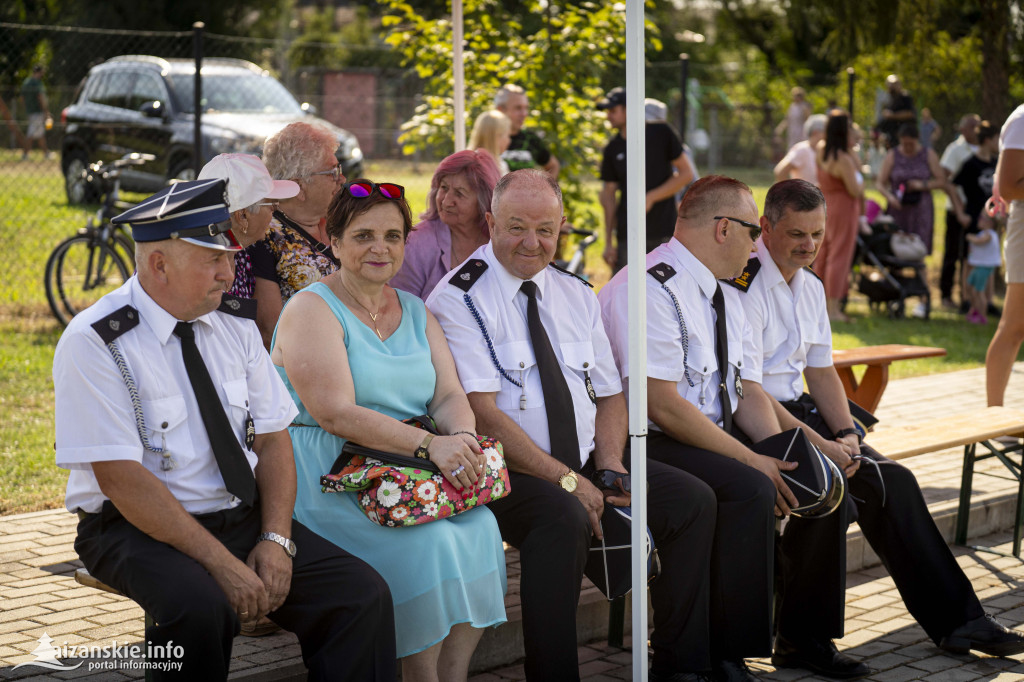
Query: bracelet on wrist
[[468, 433]]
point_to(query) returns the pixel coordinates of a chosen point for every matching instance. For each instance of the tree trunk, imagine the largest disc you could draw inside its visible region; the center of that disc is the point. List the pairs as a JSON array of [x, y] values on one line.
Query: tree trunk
[[995, 59]]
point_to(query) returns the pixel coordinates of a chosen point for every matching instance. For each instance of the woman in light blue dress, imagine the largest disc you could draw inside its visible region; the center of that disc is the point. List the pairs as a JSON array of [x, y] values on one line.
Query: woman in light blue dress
[[358, 357]]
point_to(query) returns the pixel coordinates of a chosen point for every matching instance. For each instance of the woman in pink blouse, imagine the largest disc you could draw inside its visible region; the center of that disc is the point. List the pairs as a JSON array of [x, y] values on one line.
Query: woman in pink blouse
[[453, 226]]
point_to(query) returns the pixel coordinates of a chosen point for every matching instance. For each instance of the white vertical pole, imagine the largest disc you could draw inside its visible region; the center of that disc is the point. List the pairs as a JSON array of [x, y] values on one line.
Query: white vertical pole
[[459, 94], [636, 220]]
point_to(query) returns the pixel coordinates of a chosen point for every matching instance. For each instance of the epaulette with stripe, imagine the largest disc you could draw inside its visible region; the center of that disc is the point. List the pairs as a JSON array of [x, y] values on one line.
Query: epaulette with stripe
[[468, 274], [116, 323], [239, 307], [814, 274], [746, 278], [571, 274]]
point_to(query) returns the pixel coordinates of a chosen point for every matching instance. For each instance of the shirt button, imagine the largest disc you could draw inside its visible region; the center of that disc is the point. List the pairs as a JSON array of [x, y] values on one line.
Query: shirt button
[[163, 425], [586, 364], [522, 364]]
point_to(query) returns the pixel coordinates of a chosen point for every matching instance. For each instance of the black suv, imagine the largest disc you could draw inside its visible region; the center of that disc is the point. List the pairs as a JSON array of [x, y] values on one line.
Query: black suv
[[145, 104]]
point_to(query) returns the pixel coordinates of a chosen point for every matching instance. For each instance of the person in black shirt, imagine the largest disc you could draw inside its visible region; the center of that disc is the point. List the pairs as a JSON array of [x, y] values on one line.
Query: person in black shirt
[[526, 149], [899, 110], [667, 171]]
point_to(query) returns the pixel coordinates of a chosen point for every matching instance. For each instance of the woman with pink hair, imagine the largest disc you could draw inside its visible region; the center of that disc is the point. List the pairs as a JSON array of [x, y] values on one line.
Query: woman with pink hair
[[453, 226]]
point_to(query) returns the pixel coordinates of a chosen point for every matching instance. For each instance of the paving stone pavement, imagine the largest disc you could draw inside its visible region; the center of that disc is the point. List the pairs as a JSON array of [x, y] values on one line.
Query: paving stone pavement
[[38, 593]]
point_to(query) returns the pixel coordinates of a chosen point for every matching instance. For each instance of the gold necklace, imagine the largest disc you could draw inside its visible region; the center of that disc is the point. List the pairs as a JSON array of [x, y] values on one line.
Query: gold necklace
[[373, 316]]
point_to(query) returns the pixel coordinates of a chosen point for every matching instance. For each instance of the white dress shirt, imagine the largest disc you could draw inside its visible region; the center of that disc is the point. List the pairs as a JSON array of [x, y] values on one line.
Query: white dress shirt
[[572, 318], [94, 415], [693, 286], [790, 326]]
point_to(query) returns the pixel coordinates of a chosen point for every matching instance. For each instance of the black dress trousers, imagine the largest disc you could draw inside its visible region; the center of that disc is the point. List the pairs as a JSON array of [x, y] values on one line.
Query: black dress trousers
[[552, 532], [902, 533], [339, 607], [742, 553]]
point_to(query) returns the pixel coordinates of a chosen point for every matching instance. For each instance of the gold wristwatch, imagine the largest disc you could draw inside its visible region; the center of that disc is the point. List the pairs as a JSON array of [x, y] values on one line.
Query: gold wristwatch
[[421, 451], [568, 481]]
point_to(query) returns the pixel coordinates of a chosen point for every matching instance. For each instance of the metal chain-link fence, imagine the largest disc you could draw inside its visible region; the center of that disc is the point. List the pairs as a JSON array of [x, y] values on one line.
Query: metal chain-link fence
[[70, 97]]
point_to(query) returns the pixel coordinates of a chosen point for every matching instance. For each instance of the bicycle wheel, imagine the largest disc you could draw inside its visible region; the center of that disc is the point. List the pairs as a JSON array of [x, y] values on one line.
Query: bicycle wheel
[[125, 248], [79, 272]]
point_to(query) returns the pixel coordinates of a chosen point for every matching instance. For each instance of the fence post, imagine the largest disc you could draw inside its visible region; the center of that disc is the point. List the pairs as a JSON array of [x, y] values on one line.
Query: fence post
[[197, 96], [684, 76], [849, 80]]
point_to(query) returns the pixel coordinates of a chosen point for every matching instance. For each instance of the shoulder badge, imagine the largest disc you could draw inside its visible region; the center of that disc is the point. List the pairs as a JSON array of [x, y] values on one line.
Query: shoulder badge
[[116, 323], [813, 273], [744, 281], [239, 307], [662, 272], [571, 274], [468, 274]]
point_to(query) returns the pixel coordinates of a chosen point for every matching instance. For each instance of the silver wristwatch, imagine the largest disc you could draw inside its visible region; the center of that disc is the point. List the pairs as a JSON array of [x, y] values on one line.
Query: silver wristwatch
[[289, 546]]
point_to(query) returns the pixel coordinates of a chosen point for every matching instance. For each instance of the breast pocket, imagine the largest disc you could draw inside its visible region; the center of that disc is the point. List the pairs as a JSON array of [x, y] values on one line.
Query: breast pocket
[[579, 357], [236, 392], [516, 359], [166, 429], [700, 365], [736, 357]]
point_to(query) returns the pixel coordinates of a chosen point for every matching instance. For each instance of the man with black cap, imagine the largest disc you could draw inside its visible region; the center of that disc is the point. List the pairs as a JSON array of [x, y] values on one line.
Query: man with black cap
[[784, 302], [533, 356], [667, 171], [702, 380], [173, 421]]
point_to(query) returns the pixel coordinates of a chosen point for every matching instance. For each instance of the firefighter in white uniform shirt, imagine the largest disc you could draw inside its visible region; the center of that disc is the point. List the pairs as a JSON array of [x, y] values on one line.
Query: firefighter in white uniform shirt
[[555, 448], [785, 305]]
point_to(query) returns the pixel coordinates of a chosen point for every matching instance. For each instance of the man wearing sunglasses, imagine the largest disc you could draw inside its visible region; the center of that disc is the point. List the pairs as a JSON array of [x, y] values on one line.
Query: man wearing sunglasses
[[534, 359], [702, 379], [784, 302]]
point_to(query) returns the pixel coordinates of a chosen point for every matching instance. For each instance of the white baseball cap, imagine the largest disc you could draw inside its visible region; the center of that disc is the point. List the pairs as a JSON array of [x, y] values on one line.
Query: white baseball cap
[[249, 181]]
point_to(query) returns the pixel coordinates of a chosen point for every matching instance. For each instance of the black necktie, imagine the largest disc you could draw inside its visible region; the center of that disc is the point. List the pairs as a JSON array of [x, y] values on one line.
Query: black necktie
[[234, 467], [565, 444], [722, 355]]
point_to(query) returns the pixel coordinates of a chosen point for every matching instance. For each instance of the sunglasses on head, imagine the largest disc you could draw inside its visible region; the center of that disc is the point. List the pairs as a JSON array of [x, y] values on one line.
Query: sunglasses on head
[[755, 230], [360, 189]]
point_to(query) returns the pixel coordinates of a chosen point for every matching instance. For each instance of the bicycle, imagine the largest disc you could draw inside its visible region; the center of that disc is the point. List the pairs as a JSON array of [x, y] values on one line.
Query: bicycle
[[100, 257], [577, 261]]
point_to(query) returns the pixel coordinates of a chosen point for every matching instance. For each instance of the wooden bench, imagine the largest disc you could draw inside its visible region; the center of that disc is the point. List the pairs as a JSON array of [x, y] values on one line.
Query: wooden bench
[[980, 426], [868, 391], [83, 577]]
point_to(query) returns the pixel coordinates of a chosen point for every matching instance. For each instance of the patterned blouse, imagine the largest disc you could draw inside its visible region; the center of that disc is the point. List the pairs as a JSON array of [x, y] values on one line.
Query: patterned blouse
[[244, 280], [291, 257]]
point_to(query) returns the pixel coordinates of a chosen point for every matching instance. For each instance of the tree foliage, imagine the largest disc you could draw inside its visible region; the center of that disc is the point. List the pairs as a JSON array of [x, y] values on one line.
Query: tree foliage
[[558, 52]]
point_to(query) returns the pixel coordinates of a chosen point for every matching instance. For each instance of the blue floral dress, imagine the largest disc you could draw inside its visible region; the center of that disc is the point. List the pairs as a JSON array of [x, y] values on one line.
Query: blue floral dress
[[440, 573]]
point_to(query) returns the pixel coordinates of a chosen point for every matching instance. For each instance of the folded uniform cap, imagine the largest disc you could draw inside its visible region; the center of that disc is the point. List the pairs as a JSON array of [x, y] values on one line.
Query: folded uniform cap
[[609, 561], [615, 97], [249, 181], [818, 484], [194, 211]]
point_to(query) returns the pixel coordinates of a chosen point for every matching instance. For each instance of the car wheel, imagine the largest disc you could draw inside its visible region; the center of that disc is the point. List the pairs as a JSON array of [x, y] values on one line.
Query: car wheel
[[78, 188], [183, 170]]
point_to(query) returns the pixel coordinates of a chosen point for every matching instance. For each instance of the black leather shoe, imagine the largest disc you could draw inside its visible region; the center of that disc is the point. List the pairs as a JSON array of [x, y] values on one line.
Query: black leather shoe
[[678, 677], [984, 634], [735, 670], [818, 656]]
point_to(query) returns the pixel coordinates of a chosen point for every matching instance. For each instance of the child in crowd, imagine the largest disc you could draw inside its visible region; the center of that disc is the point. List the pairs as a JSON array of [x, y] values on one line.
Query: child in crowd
[[983, 259]]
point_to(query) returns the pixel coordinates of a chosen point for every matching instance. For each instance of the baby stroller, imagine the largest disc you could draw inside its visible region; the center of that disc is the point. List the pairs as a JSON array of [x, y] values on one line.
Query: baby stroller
[[887, 280]]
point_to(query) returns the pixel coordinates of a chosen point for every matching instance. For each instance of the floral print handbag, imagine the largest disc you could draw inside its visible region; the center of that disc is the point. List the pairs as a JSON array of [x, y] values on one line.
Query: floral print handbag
[[398, 490]]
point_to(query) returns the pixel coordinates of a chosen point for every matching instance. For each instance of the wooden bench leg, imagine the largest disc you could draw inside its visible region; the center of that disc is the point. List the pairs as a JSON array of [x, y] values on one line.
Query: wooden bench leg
[[964, 510], [1019, 521], [616, 621]]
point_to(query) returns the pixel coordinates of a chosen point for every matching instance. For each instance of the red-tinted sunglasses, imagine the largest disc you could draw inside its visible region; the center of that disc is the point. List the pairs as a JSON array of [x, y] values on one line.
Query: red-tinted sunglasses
[[360, 189]]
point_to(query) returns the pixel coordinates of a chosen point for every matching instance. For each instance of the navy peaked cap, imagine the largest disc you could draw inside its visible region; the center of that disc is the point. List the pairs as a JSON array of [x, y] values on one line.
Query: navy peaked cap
[[195, 211]]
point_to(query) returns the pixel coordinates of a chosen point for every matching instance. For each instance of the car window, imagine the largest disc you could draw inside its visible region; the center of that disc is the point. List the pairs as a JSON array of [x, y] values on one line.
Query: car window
[[111, 88], [148, 88], [235, 92]]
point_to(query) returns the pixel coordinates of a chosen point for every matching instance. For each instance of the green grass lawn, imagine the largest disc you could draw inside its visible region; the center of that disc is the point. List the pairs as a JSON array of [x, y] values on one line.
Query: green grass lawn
[[34, 217]]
